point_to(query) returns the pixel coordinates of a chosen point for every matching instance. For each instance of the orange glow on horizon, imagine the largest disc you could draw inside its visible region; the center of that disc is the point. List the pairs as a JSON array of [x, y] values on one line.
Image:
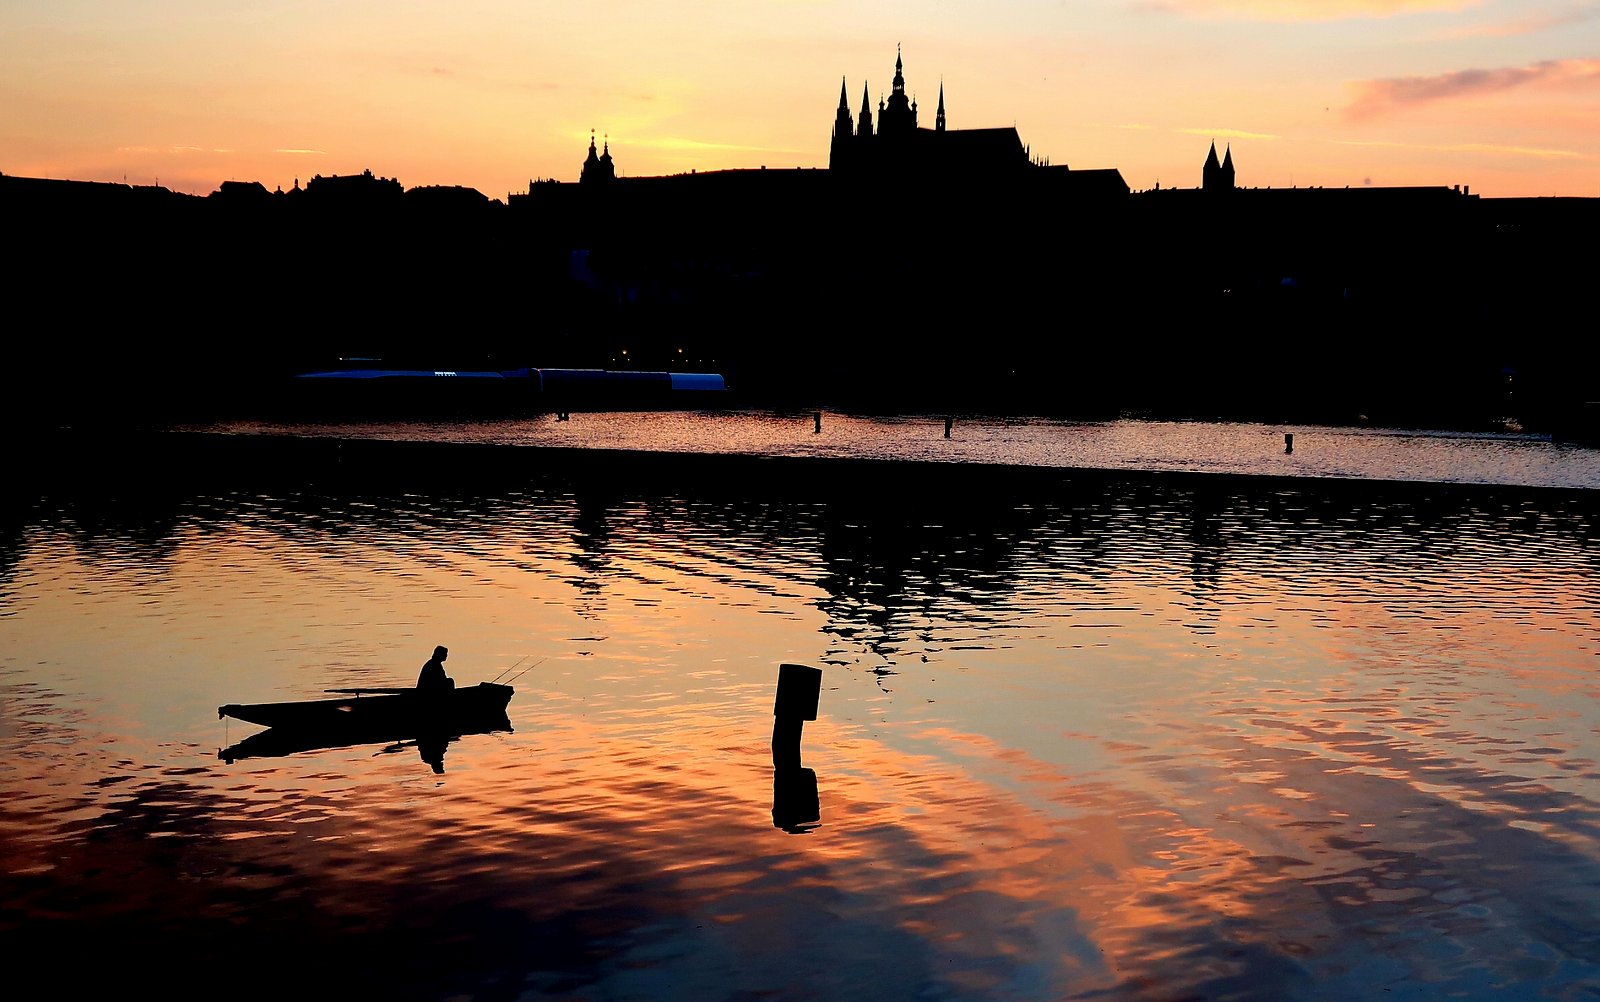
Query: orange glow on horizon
[[1386, 92]]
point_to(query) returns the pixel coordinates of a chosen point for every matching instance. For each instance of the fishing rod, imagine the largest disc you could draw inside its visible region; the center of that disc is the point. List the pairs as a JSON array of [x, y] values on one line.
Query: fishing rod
[[498, 677], [525, 670]]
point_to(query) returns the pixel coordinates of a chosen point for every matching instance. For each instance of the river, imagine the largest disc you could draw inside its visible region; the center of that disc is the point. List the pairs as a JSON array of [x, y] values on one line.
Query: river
[[1114, 711]]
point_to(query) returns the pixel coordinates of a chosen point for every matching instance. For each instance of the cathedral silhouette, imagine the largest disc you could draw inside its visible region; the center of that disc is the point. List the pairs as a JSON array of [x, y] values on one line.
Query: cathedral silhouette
[[898, 144], [871, 146]]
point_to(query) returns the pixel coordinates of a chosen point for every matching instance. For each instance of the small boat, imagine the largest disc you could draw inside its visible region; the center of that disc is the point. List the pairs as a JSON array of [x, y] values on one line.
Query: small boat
[[404, 707], [369, 716]]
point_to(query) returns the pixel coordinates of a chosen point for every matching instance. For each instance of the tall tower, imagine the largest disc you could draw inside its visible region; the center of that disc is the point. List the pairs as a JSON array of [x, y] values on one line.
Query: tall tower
[[899, 116], [841, 118], [938, 118], [864, 126], [1226, 174], [840, 146], [1211, 173]]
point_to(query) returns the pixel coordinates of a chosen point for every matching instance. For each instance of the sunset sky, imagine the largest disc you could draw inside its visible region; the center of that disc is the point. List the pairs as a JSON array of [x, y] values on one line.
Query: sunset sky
[[1499, 95]]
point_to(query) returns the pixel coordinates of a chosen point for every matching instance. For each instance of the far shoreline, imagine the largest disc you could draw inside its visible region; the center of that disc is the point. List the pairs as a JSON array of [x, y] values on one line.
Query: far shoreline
[[117, 458]]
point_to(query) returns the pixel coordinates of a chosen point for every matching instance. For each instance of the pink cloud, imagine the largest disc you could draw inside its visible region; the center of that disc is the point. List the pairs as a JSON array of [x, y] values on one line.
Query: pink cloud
[[1376, 97]]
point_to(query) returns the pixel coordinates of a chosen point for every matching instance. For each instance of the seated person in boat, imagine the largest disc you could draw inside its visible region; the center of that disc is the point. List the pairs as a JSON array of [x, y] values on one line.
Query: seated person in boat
[[432, 677]]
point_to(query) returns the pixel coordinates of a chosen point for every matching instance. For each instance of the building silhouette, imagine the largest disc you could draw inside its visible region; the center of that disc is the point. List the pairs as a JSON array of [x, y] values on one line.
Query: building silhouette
[[897, 145], [1217, 176], [598, 169], [893, 148]]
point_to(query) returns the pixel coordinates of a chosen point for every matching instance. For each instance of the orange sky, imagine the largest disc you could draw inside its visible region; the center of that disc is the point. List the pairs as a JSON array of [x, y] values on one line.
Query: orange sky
[[1499, 95]]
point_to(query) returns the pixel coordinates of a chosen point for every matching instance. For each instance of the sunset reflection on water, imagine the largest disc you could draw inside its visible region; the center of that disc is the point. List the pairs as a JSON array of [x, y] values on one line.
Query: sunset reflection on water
[[1134, 739]]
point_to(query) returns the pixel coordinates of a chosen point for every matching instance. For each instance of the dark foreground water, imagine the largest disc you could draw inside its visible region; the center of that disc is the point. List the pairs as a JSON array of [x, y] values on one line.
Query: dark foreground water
[[1119, 736]]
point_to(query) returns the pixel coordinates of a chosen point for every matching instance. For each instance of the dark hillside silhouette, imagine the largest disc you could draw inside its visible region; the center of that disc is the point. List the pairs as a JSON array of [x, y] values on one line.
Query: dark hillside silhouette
[[941, 268]]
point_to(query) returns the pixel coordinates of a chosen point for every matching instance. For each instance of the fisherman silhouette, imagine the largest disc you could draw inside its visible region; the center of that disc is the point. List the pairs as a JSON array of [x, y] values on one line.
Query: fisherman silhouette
[[432, 677]]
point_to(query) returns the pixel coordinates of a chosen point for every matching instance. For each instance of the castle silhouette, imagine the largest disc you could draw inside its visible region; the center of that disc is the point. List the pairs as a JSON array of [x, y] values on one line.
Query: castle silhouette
[[886, 146], [933, 267], [898, 144]]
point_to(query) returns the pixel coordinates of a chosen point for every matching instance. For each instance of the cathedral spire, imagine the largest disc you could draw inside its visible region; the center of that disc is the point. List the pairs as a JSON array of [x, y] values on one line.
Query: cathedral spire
[[897, 116], [938, 119], [841, 118]]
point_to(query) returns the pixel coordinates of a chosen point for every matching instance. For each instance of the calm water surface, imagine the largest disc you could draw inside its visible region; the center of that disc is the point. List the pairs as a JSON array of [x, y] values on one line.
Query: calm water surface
[[1174, 446], [1126, 738]]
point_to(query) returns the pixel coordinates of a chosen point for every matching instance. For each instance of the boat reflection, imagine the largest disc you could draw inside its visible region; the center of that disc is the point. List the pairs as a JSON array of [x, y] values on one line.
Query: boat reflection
[[430, 742]]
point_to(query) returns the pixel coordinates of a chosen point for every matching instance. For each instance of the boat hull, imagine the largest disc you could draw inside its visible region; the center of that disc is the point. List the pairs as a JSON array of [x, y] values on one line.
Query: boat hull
[[277, 742], [407, 710]]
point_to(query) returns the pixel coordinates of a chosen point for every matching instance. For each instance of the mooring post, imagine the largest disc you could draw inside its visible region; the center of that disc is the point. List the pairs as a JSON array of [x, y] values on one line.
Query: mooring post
[[947, 423], [1288, 442], [795, 804], [799, 689], [817, 417]]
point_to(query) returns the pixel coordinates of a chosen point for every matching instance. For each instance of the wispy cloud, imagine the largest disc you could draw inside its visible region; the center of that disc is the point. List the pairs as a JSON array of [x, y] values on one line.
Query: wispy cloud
[[1301, 10], [309, 153], [1225, 133], [1486, 148], [172, 149], [1528, 25], [1375, 97]]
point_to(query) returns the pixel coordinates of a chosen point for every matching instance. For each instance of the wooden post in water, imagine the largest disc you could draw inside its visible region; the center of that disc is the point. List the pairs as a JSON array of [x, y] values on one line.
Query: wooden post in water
[[799, 689], [1288, 442], [818, 418], [947, 423], [795, 805]]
